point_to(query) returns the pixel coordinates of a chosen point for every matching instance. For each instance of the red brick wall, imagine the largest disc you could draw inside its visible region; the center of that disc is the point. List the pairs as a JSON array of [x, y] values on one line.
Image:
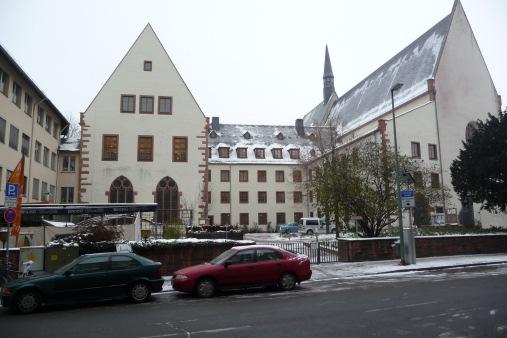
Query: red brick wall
[[354, 250]]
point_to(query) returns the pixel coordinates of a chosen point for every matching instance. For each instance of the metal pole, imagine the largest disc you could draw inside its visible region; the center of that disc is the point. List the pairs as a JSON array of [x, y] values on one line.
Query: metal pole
[[7, 249], [400, 215]]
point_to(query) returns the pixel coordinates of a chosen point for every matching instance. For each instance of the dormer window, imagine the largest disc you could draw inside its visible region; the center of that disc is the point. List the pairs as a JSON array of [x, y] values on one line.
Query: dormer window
[[147, 66], [213, 134], [241, 152], [259, 153], [247, 135], [277, 153], [280, 136], [223, 152], [294, 154]]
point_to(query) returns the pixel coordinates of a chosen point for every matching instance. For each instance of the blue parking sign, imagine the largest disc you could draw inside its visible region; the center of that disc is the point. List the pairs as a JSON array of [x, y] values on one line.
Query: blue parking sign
[[11, 190]]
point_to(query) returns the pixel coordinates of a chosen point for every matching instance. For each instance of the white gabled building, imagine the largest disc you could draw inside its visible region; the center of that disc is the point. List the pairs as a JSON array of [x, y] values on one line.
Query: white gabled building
[[144, 137], [446, 88]]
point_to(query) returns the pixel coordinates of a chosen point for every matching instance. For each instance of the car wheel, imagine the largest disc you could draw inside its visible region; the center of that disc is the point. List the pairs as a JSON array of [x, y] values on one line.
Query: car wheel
[[309, 232], [287, 282], [140, 292], [205, 288], [27, 301]]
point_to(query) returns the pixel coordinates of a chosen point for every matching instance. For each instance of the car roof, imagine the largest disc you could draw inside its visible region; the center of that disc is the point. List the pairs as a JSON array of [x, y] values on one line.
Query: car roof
[[255, 246], [107, 254]]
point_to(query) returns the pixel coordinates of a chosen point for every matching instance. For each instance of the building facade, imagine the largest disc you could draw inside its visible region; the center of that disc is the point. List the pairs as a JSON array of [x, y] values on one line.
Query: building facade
[[30, 125], [143, 137]]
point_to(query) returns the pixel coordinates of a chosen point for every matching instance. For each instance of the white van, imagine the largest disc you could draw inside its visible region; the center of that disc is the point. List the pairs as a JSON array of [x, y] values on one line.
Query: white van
[[312, 225]]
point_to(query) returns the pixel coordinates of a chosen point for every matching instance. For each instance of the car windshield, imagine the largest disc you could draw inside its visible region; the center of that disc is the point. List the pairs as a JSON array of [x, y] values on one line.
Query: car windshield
[[64, 268], [222, 257]]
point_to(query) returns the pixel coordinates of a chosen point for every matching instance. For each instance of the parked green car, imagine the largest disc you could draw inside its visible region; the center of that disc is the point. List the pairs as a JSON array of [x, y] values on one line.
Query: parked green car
[[94, 276]]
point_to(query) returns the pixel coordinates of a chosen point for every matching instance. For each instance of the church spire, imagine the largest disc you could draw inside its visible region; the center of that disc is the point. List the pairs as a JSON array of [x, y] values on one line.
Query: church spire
[[328, 78]]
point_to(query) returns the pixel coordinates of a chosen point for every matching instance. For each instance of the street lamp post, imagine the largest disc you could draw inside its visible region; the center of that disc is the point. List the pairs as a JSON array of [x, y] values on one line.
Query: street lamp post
[[396, 87]]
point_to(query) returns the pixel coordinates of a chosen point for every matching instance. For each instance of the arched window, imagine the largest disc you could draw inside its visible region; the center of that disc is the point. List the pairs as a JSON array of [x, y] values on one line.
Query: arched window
[[167, 198], [121, 191]]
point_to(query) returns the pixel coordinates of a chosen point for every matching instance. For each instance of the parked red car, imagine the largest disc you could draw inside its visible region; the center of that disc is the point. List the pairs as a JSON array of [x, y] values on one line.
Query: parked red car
[[243, 267]]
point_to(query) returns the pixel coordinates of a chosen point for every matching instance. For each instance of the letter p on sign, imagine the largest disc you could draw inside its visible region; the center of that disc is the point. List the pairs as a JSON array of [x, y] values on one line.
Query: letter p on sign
[[11, 190]]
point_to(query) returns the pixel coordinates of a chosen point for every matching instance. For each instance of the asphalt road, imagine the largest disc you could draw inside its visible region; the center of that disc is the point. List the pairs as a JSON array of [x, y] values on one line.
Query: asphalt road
[[449, 303]]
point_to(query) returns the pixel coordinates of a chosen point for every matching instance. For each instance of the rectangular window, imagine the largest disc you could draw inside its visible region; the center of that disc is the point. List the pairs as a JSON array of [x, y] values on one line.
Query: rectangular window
[[241, 152], [209, 197], [416, 150], [56, 130], [40, 115], [418, 179], [243, 219], [280, 197], [44, 192], [209, 152], [53, 161], [243, 175], [9, 173], [259, 153], [28, 105], [277, 153], [67, 195], [296, 176], [435, 180], [243, 197], [145, 148], [4, 82], [279, 176], [147, 66], [35, 189], [128, 104], [297, 216], [109, 147], [16, 94], [310, 196], [280, 218], [49, 123], [294, 154], [165, 105], [432, 151], [52, 193], [3, 127], [225, 197], [69, 164], [180, 149], [262, 218], [146, 104], [262, 197], [25, 185], [45, 157], [25, 145], [38, 147], [223, 152], [261, 175], [14, 137], [209, 175], [225, 219], [225, 176], [298, 197]]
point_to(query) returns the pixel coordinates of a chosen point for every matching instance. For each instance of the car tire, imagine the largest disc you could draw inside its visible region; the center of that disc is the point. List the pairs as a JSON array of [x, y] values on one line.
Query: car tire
[[309, 232], [27, 301], [287, 282], [205, 288], [139, 292]]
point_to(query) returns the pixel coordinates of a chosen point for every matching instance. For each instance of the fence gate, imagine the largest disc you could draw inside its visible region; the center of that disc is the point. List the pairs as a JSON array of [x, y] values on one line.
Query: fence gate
[[318, 252]]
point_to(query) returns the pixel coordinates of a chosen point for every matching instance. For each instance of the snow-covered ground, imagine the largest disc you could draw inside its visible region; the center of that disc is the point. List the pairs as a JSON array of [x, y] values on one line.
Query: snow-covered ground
[[328, 271]]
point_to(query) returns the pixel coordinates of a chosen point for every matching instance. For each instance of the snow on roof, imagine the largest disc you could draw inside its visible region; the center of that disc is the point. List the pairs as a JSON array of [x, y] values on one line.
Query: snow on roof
[[70, 144], [59, 224], [370, 98]]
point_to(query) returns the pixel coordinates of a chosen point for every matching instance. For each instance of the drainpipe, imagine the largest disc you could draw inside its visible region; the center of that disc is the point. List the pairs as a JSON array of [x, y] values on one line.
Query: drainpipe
[[439, 154]]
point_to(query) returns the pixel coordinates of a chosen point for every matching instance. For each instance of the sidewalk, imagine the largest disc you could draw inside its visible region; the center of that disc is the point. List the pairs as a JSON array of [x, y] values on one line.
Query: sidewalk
[[360, 269]]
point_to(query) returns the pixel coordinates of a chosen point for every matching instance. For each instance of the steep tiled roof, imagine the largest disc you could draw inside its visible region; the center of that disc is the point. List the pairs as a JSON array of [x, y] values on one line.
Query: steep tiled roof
[[370, 98]]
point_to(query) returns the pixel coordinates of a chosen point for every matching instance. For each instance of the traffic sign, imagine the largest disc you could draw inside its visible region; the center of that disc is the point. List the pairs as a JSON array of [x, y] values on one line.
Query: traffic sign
[[10, 215], [11, 202], [11, 190], [407, 198]]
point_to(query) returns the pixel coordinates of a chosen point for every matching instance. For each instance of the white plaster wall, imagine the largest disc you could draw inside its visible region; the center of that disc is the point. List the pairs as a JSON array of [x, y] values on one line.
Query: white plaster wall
[[68, 178], [252, 186], [465, 92], [104, 117]]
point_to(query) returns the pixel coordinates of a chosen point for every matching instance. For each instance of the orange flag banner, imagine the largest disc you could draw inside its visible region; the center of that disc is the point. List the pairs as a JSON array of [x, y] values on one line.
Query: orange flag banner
[[17, 177]]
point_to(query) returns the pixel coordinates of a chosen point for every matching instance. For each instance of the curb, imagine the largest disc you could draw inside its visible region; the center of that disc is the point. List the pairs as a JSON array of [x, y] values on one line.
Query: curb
[[440, 267]]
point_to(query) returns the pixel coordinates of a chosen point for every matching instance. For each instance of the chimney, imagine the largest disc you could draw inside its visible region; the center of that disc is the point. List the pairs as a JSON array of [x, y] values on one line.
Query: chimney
[[215, 123], [300, 128]]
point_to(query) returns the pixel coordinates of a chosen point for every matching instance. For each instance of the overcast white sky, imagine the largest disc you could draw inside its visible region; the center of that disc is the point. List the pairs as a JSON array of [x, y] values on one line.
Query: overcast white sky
[[256, 61]]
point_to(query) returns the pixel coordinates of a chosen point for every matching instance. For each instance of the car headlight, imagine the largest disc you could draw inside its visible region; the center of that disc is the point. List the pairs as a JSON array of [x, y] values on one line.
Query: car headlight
[[180, 278]]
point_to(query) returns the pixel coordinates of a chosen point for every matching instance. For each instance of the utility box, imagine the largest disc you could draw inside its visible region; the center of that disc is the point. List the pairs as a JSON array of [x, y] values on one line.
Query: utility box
[[34, 254], [56, 257]]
